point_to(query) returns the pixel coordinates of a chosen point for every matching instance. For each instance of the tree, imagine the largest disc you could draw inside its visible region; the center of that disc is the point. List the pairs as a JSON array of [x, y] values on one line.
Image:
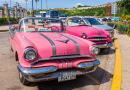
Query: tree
[[26, 4], [125, 4], [36, 4], [79, 6]]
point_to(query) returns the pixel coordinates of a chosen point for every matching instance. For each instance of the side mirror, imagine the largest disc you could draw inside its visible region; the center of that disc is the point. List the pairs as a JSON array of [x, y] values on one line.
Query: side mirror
[[13, 28]]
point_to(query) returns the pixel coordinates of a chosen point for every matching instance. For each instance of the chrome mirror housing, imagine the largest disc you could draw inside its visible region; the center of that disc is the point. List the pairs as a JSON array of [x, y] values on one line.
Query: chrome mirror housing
[[13, 28]]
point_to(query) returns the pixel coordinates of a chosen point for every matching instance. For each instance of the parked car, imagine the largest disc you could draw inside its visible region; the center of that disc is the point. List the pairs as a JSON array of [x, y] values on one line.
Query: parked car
[[81, 27], [97, 24], [108, 19], [100, 18], [44, 53], [114, 19], [104, 19]]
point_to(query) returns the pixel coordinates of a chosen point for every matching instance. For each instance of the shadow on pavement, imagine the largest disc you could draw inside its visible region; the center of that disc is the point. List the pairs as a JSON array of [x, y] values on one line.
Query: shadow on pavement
[[107, 51], [80, 82]]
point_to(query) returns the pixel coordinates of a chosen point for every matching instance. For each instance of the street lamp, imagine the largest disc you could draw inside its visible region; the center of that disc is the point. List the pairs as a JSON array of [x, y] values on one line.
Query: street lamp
[[26, 4], [33, 14]]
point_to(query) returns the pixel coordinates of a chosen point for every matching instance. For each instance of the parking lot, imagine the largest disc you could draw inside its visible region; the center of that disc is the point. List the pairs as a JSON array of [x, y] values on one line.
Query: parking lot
[[97, 80]]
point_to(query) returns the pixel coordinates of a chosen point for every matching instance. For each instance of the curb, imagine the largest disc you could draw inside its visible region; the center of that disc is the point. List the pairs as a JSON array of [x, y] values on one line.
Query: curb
[[4, 30], [116, 83]]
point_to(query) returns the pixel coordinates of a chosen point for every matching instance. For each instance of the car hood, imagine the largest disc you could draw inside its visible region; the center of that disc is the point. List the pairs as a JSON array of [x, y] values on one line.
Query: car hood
[[50, 44], [89, 31], [103, 27]]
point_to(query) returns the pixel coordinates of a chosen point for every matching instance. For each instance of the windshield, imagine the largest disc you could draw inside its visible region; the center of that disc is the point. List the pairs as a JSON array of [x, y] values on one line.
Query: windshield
[[54, 13], [76, 22], [40, 25], [93, 21]]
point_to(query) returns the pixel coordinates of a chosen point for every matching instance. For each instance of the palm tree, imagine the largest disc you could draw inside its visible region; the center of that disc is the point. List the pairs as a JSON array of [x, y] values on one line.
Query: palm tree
[[26, 4], [36, 4]]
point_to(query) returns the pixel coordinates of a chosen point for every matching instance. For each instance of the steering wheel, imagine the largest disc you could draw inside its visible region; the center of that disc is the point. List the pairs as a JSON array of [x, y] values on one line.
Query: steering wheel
[[55, 27]]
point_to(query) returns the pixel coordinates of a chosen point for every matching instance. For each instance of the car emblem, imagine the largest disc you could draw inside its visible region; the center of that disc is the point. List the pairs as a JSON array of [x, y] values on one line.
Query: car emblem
[[65, 41], [98, 33]]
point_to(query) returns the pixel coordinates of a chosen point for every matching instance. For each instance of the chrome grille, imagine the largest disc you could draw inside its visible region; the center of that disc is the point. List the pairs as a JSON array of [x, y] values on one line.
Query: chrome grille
[[98, 39]]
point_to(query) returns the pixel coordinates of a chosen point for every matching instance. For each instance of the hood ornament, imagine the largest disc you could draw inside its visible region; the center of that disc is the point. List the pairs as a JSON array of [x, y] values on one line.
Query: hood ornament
[[98, 33], [65, 41]]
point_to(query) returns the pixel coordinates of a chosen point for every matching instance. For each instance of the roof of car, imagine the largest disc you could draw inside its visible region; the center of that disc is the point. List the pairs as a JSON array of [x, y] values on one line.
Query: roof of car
[[79, 17]]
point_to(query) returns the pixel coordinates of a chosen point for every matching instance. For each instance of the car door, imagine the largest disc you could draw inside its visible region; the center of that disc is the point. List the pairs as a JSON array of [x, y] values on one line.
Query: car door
[[12, 32], [70, 26]]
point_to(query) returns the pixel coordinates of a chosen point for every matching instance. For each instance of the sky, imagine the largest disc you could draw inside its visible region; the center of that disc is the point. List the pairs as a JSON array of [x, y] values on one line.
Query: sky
[[56, 3]]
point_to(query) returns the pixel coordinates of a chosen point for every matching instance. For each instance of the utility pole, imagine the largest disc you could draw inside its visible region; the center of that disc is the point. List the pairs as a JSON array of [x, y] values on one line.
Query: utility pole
[[46, 4], [32, 9], [26, 4], [41, 4]]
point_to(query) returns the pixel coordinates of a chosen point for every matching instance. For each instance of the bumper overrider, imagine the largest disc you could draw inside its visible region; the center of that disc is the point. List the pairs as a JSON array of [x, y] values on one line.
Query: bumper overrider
[[49, 73]]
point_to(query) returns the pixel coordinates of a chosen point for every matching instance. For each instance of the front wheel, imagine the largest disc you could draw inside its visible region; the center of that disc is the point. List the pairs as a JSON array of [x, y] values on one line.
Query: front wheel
[[22, 79]]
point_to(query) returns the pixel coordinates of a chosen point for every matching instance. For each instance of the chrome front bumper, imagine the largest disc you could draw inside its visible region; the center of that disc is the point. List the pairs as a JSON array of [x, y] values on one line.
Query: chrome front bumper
[[52, 72], [105, 45]]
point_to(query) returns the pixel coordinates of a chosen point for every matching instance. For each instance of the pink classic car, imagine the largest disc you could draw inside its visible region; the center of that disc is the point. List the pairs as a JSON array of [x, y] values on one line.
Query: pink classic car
[[78, 27], [44, 53]]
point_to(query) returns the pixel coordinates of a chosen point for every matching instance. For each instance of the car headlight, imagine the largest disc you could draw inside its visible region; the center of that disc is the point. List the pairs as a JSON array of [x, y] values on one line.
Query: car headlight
[[83, 35], [110, 35], [30, 54], [95, 50]]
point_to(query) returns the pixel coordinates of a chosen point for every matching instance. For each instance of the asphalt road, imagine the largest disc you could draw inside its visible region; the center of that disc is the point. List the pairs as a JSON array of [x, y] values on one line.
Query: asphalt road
[[9, 75]]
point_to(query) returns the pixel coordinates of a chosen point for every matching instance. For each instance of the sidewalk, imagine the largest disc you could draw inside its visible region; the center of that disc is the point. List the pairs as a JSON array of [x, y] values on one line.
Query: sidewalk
[[124, 42], [5, 27]]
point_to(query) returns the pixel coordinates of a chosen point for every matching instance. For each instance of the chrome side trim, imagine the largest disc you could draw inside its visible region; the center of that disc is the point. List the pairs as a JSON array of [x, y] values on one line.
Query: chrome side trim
[[32, 71], [84, 65], [71, 63], [66, 64], [76, 44], [52, 43], [61, 64], [62, 57]]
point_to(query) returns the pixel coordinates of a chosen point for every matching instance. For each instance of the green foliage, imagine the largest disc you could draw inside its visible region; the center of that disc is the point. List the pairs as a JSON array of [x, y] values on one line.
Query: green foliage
[[79, 6], [127, 17], [101, 11], [85, 12], [19, 18], [12, 19], [3, 19], [36, 0], [125, 4], [122, 28], [83, 6]]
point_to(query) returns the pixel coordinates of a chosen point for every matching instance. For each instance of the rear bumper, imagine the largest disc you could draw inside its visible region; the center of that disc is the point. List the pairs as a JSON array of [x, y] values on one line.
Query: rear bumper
[[52, 73]]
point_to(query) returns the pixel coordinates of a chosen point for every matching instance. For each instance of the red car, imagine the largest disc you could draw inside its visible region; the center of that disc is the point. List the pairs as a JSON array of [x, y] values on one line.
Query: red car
[[44, 53], [78, 27]]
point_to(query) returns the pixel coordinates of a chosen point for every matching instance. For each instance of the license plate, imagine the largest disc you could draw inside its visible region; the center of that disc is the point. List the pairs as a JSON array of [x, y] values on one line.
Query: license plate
[[66, 77], [100, 46]]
